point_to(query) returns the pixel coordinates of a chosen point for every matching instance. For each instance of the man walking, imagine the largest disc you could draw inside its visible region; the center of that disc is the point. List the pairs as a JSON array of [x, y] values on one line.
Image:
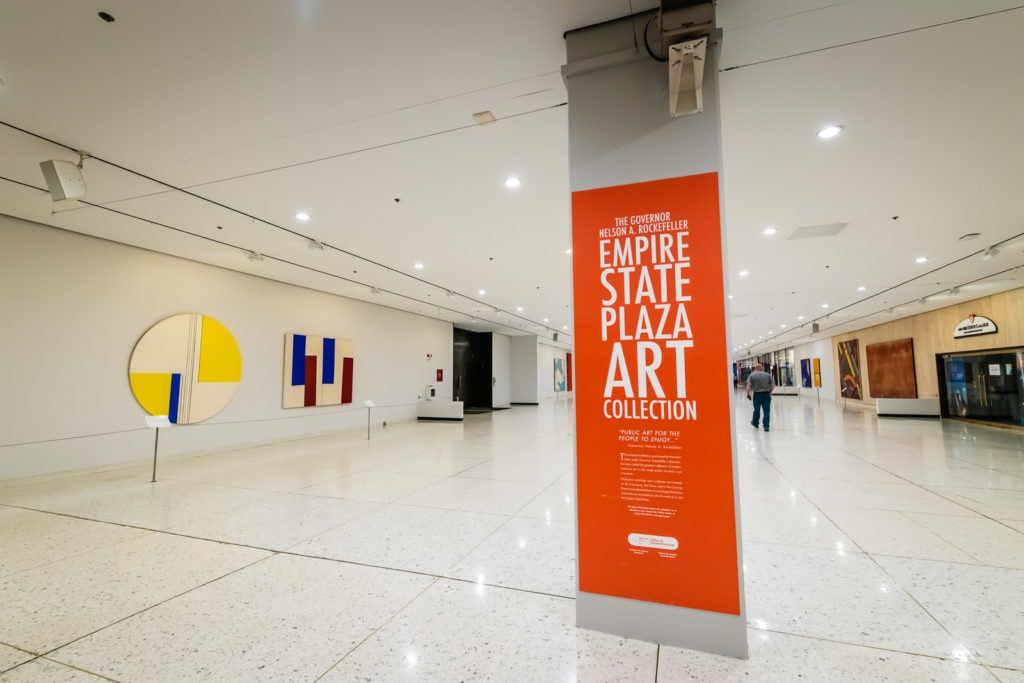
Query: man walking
[[761, 385]]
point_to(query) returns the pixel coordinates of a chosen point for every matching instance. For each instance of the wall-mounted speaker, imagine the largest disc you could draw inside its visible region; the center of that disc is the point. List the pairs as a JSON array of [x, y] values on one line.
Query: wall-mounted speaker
[[554, 337], [64, 179], [814, 328]]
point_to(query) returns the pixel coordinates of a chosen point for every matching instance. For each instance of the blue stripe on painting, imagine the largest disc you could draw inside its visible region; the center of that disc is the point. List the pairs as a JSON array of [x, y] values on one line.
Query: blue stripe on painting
[[172, 410], [298, 360], [328, 361]]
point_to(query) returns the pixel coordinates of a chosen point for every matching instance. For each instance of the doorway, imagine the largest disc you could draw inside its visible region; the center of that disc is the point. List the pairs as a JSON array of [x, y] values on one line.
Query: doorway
[[986, 386]]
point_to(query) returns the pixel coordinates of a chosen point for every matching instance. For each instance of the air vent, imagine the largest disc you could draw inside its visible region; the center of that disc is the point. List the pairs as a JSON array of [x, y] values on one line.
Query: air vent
[[811, 231]]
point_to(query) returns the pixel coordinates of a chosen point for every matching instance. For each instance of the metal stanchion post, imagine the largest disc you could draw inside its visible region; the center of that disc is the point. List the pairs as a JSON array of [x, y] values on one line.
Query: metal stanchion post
[[156, 422], [156, 444], [369, 409]]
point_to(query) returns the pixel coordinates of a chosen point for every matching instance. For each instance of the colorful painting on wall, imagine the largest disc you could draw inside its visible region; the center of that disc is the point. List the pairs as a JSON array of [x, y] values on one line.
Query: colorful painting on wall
[[805, 373], [317, 371], [891, 369], [559, 375], [849, 368], [816, 369], [186, 367]]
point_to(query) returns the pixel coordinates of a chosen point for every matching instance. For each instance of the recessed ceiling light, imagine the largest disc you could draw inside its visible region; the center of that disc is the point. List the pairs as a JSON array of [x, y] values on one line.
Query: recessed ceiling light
[[481, 292], [799, 317], [519, 308], [829, 132], [824, 305], [568, 251], [862, 288], [546, 319], [512, 181], [730, 296], [302, 216], [921, 259], [418, 266], [782, 325], [565, 327], [770, 230], [744, 273]]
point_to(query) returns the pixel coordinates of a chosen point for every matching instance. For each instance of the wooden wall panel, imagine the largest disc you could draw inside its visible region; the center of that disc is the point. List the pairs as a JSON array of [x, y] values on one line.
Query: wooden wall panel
[[932, 333]]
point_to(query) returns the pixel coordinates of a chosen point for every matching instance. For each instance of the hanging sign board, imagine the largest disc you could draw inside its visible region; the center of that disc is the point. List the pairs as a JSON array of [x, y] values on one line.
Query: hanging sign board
[[973, 326], [656, 506]]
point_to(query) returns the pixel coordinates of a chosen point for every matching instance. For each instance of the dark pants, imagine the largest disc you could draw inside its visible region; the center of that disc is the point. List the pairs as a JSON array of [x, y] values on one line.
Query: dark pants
[[762, 401]]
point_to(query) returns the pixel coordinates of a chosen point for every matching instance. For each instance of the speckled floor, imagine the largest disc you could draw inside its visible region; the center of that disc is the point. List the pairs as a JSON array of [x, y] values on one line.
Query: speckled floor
[[875, 550]]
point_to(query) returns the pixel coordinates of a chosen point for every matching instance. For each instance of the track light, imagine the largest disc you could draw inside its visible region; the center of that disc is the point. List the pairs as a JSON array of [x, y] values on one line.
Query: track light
[[989, 253], [253, 256], [314, 244], [954, 291]]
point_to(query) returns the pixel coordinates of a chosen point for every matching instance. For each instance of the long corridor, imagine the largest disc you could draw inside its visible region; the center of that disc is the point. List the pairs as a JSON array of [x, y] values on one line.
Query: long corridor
[[874, 549]]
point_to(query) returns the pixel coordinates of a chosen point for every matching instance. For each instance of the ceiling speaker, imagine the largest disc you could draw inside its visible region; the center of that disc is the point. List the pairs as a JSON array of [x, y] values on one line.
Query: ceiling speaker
[[64, 179]]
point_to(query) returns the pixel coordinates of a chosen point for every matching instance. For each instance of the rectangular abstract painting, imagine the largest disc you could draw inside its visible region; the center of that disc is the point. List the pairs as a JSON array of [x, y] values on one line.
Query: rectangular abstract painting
[[559, 375], [849, 369], [805, 372], [317, 371]]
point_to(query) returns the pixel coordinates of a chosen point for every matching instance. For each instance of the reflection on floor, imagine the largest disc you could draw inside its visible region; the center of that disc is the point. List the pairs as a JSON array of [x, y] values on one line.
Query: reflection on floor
[[875, 550]]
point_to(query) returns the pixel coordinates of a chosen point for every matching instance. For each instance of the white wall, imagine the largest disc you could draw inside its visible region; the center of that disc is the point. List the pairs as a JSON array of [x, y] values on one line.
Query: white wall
[[821, 348], [72, 308], [501, 370], [523, 351]]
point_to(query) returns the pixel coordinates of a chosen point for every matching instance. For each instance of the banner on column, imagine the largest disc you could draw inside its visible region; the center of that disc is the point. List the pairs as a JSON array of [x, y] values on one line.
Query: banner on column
[[653, 431]]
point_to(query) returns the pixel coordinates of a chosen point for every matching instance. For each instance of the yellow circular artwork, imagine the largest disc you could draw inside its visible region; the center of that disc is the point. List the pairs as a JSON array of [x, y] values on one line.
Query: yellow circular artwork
[[186, 367]]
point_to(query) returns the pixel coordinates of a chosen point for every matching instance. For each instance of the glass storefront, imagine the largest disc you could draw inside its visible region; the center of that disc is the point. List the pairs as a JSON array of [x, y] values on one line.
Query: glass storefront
[[983, 385], [779, 364]]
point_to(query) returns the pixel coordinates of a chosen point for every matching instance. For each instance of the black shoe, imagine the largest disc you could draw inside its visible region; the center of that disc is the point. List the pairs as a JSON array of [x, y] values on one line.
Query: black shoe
[[754, 425], [766, 429]]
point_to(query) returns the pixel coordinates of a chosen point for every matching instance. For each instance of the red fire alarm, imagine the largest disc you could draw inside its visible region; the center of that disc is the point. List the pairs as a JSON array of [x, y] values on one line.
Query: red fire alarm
[[440, 375]]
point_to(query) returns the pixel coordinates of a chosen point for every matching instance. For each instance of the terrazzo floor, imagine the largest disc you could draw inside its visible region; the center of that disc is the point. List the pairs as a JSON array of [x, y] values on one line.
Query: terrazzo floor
[[875, 550]]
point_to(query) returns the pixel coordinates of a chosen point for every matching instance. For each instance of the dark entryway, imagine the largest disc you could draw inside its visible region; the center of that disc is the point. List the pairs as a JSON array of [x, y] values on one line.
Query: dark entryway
[[472, 369]]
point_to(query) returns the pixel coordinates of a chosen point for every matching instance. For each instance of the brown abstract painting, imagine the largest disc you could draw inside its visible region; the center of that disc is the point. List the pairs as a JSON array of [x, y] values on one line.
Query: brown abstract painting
[[891, 369]]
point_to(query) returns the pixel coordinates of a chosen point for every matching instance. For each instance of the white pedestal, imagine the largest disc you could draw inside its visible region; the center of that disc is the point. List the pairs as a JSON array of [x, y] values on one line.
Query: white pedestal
[[439, 410], [919, 407]]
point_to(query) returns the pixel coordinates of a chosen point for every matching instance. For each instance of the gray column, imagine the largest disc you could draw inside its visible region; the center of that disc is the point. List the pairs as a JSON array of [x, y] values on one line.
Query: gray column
[[621, 132]]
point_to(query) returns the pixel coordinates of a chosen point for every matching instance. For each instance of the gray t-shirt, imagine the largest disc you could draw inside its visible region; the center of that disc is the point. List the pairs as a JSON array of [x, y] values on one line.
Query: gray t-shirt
[[759, 381]]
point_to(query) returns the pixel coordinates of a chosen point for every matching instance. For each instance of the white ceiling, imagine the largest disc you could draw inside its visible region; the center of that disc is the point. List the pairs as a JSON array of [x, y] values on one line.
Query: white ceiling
[[211, 124]]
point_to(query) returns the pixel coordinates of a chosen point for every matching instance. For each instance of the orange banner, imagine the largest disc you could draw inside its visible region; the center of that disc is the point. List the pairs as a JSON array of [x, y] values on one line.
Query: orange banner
[[653, 430]]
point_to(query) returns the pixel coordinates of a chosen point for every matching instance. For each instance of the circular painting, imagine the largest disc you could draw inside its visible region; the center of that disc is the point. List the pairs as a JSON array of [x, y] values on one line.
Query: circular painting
[[186, 367]]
